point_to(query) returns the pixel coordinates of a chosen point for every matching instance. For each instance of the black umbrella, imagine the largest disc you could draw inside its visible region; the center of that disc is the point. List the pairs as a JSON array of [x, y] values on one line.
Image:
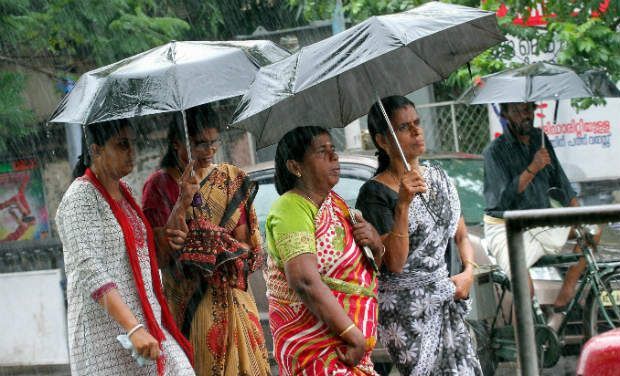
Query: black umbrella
[[600, 84], [336, 80], [172, 77], [533, 83], [537, 82]]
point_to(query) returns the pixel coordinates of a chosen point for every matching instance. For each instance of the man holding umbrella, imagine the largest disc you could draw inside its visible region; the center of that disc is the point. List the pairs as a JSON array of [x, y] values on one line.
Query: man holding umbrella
[[521, 171]]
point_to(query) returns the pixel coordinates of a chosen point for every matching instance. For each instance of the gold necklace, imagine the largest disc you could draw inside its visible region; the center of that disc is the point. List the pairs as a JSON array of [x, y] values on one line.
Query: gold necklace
[[305, 194]]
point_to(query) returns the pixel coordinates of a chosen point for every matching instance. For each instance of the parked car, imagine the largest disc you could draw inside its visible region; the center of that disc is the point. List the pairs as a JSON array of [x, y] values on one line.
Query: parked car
[[466, 171]]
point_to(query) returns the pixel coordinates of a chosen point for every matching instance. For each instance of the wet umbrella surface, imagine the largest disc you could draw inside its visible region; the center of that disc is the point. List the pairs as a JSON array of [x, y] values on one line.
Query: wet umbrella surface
[[336, 80], [172, 77], [537, 82]]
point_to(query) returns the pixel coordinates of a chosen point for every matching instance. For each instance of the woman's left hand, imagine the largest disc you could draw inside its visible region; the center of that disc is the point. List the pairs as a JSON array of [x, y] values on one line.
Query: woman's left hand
[[366, 235], [463, 282]]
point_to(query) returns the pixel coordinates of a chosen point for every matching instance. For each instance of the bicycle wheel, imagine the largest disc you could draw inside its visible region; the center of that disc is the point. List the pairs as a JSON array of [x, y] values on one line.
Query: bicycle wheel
[[547, 345], [596, 322]]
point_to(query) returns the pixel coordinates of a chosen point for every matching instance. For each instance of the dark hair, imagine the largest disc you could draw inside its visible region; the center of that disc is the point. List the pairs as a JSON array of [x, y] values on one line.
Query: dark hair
[[198, 119], [378, 125], [503, 107], [96, 134], [293, 146]]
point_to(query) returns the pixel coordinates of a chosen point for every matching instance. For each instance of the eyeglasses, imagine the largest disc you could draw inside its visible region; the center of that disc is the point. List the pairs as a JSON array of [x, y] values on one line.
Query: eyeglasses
[[206, 144]]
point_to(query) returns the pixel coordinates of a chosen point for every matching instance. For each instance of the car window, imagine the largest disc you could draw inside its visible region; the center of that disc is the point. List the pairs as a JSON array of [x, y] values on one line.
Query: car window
[[348, 188], [468, 177], [265, 197]]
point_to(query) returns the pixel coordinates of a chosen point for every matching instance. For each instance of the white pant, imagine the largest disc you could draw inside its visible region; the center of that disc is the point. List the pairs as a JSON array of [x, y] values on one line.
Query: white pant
[[537, 242]]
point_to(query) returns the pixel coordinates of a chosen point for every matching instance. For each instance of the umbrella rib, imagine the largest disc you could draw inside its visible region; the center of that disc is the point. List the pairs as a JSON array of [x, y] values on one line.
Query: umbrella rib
[[340, 101], [472, 24], [260, 137]]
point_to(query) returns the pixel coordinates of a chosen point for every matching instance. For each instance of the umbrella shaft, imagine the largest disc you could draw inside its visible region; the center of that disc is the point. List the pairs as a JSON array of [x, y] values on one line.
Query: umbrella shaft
[[391, 129], [187, 146]]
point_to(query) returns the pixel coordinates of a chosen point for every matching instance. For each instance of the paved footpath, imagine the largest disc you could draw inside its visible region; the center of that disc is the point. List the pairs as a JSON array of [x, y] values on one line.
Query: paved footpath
[[565, 367]]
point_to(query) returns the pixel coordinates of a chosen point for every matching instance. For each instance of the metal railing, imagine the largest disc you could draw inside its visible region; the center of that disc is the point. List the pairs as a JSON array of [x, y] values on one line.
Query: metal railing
[[516, 223], [30, 255]]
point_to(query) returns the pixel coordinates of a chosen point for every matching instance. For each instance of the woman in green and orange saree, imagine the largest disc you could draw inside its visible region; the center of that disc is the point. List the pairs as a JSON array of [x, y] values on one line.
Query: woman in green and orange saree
[[321, 286], [209, 243]]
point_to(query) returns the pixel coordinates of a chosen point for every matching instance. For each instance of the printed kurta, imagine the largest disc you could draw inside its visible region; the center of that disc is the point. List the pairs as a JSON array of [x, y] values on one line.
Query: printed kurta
[[206, 283], [303, 344], [96, 261], [420, 323]]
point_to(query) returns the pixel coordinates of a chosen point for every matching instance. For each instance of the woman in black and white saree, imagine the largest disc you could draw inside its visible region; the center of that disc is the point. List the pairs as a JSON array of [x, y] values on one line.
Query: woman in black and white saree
[[421, 308]]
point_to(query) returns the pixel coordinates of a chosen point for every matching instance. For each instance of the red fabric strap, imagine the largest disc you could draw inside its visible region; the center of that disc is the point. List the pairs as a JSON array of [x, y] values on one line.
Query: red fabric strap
[[130, 244]]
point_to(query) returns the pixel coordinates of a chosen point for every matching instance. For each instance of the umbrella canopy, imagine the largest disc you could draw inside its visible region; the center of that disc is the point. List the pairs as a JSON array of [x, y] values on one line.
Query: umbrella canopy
[[600, 84], [172, 77], [537, 82], [336, 80]]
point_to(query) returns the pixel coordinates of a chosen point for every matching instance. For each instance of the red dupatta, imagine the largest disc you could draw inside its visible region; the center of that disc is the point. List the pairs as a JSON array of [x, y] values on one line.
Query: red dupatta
[[130, 244]]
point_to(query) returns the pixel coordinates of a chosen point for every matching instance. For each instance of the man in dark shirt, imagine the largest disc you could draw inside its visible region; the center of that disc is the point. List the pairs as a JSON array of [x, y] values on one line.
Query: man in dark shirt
[[522, 173]]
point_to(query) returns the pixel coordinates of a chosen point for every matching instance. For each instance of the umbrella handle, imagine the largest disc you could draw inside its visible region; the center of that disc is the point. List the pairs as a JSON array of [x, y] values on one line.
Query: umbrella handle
[[394, 138], [542, 133]]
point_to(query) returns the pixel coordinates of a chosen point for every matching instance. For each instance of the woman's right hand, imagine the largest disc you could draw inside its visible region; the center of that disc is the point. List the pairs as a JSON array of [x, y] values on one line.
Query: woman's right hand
[[355, 348], [176, 237], [145, 344], [411, 184], [189, 185]]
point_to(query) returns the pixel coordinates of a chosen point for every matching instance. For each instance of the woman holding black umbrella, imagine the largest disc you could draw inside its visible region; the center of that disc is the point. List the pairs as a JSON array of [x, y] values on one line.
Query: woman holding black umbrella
[[421, 309]]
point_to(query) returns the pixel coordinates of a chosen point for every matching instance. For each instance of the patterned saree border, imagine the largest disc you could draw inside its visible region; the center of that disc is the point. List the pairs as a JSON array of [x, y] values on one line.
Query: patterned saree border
[[349, 288], [293, 244]]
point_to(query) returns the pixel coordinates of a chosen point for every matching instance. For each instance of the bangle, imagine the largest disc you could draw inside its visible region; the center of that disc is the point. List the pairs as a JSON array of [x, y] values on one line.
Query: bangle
[[476, 266], [370, 343], [134, 329], [346, 330], [399, 235], [530, 171]]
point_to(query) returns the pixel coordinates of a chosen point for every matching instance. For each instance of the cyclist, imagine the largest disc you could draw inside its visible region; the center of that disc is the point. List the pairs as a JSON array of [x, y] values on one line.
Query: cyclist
[[519, 173]]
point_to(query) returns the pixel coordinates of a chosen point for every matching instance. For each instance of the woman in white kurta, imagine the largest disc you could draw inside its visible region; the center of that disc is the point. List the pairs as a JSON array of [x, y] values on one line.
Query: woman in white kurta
[[112, 275]]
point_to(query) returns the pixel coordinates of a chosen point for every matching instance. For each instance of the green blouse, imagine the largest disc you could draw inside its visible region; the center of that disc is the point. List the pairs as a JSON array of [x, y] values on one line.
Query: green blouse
[[290, 228]]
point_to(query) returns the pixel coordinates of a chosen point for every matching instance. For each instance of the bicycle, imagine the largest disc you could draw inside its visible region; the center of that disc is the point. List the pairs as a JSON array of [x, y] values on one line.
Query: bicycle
[[599, 288]]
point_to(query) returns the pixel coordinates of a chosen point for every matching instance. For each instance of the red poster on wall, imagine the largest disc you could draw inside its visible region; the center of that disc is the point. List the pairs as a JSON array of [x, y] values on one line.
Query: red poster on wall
[[23, 212]]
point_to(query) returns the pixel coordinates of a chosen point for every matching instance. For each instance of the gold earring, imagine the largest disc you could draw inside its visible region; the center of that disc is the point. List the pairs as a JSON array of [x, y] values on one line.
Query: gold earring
[[298, 174]]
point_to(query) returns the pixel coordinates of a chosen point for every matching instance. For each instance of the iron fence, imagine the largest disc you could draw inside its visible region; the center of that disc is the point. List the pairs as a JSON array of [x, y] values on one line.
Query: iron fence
[[455, 127]]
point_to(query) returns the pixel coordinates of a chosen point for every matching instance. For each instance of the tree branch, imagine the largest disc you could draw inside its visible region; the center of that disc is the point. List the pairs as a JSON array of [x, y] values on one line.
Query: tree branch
[[17, 62]]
